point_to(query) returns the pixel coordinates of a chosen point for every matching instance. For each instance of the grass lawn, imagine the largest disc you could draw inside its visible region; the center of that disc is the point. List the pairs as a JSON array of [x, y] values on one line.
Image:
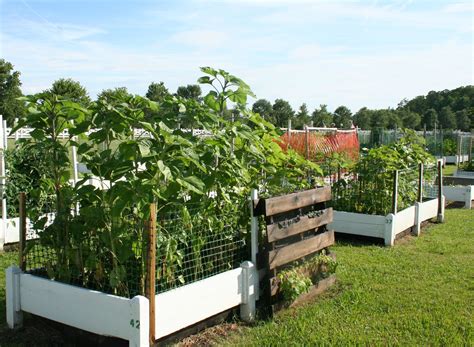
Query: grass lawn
[[420, 292], [449, 170]]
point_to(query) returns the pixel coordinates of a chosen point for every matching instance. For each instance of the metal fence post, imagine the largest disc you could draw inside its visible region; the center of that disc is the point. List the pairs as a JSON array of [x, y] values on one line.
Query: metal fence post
[[22, 244], [151, 269], [395, 192], [254, 235]]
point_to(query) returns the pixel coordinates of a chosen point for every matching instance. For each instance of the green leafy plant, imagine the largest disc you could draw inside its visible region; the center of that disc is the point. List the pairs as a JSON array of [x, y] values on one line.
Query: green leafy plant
[[369, 186], [299, 278], [293, 283], [200, 184]]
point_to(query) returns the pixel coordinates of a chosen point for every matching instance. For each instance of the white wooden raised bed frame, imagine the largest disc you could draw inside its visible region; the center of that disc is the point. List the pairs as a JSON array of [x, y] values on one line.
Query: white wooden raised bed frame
[[129, 319], [389, 226], [463, 194], [125, 318]]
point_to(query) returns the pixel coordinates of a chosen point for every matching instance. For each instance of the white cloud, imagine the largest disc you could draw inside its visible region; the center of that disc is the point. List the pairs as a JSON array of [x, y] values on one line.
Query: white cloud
[[200, 38]]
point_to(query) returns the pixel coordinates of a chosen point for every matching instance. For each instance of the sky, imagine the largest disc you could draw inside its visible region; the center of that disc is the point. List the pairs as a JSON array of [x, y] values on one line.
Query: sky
[[352, 53]]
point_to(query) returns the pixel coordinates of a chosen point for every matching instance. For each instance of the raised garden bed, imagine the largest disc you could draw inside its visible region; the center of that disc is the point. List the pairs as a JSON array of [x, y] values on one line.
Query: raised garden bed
[[389, 226]]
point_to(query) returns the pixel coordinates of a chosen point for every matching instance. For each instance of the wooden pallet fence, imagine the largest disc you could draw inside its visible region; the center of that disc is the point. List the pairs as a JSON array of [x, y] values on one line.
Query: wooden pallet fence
[[296, 227]]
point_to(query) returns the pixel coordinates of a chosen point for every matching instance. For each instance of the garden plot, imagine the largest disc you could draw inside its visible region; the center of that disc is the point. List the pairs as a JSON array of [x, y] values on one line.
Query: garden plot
[[386, 227], [385, 204]]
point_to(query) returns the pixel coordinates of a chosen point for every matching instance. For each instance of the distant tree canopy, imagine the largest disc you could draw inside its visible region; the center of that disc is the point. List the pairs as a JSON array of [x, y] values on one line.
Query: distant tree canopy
[[10, 84], [70, 89], [157, 91], [191, 91], [447, 109], [110, 95]]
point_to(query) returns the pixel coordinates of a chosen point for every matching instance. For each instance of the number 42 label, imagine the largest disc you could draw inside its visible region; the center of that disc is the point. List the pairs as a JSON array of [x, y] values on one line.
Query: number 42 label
[[135, 323]]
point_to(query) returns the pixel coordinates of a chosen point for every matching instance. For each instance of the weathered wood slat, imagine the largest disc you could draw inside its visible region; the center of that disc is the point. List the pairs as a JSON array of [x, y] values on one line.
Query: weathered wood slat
[[285, 203], [300, 249], [305, 223], [275, 281]]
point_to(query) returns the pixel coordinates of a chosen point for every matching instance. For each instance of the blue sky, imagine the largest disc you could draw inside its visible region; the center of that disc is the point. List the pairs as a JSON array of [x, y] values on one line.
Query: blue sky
[[353, 53]]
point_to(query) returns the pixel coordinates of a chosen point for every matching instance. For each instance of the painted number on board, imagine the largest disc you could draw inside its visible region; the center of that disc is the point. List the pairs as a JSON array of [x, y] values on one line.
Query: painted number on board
[[135, 323]]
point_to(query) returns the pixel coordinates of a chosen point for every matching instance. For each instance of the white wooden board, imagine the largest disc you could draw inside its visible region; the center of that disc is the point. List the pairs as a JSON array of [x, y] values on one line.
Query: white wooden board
[[184, 306]]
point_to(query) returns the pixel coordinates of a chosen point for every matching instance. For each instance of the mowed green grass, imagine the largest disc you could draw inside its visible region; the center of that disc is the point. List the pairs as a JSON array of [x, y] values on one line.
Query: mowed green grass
[[418, 293], [449, 170]]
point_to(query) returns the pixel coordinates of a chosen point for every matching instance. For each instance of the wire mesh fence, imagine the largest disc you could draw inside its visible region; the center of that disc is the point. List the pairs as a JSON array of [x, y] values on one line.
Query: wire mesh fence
[[430, 183], [193, 244], [380, 192], [110, 255]]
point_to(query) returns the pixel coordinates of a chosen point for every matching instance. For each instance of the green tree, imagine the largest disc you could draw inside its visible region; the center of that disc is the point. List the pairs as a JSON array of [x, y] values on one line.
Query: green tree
[[157, 92], [322, 117], [10, 107], [191, 91], [264, 108], [363, 118], [409, 119], [302, 117], [71, 90], [430, 118], [342, 117], [282, 112], [115, 94], [447, 118], [463, 121], [380, 118], [394, 120]]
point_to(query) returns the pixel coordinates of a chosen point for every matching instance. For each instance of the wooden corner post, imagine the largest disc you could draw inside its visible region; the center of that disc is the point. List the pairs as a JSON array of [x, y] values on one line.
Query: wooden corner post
[[420, 182], [440, 193], [395, 192], [151, 269], [22, 244]]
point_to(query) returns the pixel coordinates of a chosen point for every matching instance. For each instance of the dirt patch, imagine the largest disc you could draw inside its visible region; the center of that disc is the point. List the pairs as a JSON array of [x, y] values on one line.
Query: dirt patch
[[210, 336]]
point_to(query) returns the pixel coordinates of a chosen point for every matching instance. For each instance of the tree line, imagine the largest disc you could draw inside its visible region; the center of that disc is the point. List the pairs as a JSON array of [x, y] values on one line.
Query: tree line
[[447, 109]]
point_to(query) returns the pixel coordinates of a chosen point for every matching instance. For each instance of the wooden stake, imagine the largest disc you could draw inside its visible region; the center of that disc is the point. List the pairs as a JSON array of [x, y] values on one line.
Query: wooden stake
[[420, 183], [395, 192], [151, 269], [440, 188], [306, 141], [22, 258]]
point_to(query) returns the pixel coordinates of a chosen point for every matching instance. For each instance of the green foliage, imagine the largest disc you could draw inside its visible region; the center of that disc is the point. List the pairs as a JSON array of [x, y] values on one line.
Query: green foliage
[[191, 91], [302, 118], [10, 106], [170, 167], [299, 278], [282, 112], [70, 90], [157, 92], [371, 188], [322, 117], [25, 167], [342, 117], [450, 146], [293, 283], [264, 109], [115, 95]]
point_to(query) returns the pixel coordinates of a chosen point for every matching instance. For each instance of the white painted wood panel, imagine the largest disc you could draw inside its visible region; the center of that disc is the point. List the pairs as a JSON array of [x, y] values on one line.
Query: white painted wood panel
[[184, 306], [358, 224], [404, 219], [428, 210], [78, 307], [455, 193]]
